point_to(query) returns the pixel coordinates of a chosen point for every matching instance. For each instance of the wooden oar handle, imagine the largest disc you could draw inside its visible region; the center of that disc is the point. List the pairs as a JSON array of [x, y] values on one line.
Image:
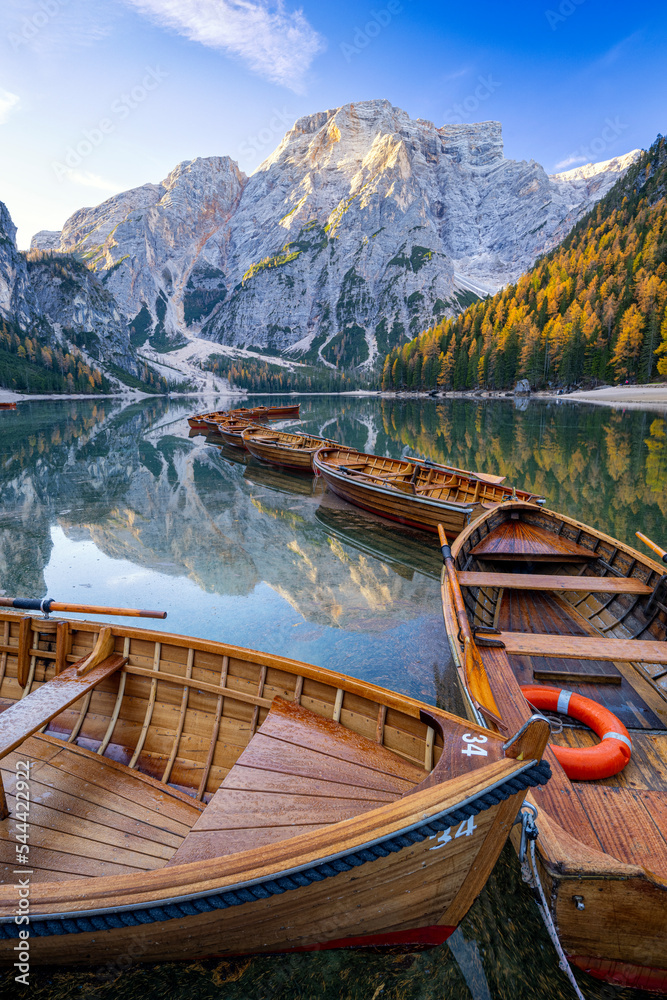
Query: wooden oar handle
[[48, 605], [444, 544], [656, 548]]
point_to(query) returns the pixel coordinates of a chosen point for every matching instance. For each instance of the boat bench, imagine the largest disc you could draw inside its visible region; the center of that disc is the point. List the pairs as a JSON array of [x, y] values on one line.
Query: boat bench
[[516, 540], [534, 581], [39, 707], [299, 772], [583, 647]]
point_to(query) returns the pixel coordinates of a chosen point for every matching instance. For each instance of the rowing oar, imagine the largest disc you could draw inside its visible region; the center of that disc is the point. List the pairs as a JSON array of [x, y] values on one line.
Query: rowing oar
[[476, 677], [48, 605], [656, 548]]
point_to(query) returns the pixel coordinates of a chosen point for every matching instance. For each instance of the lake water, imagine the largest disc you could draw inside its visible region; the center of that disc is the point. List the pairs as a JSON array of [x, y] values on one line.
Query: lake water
[[103, 503]]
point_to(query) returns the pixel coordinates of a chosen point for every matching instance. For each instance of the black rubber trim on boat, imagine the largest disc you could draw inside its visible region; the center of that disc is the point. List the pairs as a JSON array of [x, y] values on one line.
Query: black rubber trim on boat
[[48, 925]]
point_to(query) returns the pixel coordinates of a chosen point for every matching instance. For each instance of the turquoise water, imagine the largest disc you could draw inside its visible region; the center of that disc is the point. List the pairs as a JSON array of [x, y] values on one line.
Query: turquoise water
[[108, 504]]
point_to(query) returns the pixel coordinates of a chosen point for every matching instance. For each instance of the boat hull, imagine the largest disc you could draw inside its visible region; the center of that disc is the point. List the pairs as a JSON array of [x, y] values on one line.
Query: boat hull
[[289, 451], [408, 897], [416, 512], [286, 458], [231, 438]]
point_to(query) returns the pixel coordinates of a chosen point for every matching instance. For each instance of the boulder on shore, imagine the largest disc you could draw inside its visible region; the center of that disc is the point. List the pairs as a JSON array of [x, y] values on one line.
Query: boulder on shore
[[522, 388]]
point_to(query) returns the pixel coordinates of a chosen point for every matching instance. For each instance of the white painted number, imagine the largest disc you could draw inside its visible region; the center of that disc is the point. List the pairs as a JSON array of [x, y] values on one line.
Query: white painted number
[[466, 829], [470, 747], [443, 839]]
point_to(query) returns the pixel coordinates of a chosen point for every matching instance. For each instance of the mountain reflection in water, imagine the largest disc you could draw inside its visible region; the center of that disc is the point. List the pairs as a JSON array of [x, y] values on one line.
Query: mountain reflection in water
[[112, 504]]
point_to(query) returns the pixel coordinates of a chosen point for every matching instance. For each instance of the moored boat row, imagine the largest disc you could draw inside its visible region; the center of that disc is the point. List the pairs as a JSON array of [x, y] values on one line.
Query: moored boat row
[[544, 613], [204, 423], [412, 491]]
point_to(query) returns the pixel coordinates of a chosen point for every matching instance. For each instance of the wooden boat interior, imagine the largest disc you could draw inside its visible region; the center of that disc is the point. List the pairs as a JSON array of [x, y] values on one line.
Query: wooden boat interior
[[148, 749], [305, 442], [568, 607], [234, 425], [435, 482]]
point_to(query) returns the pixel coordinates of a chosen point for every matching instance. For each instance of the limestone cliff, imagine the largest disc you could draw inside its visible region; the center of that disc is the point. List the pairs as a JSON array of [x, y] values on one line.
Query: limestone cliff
[[361, 228], [55, 299]]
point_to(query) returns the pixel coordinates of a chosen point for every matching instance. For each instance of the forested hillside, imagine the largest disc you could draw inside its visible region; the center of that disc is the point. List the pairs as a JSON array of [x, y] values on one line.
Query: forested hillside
[[257, 375], [594, 308]]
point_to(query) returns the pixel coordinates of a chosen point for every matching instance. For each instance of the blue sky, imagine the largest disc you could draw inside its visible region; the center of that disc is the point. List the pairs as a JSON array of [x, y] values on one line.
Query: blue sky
[[139, 85]]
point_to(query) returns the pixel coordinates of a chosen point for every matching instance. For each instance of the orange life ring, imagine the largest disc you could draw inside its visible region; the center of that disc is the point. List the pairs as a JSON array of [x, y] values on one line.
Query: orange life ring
[[608, 757]]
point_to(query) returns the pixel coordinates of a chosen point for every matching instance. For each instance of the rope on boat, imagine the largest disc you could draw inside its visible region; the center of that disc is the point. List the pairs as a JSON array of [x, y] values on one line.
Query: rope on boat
[[530, 875], [132, 916]]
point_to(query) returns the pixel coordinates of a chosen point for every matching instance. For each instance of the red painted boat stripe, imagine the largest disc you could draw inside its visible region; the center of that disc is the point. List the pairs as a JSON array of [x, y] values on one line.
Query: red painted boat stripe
[[639, 977], [426, 937]]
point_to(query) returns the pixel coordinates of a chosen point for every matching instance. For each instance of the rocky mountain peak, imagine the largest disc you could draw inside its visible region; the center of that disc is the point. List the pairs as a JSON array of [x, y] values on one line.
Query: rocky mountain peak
[[361, 228]]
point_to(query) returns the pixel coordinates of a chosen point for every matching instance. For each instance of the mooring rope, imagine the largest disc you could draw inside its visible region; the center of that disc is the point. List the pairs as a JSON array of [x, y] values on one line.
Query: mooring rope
[[529, 834]]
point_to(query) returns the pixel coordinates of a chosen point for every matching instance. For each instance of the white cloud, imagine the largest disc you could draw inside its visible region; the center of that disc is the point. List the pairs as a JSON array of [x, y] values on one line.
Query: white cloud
[[569, 161], [277, 44], [455, 76], [8, 102], [86, 179], [45, 26]]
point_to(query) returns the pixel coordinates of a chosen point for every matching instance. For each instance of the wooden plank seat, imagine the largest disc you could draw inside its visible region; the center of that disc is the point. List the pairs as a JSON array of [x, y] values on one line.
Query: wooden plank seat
[[534, 581], [518, 540], [299, 772], [573, 671], [584, 647], [89, 815], [25, 717]]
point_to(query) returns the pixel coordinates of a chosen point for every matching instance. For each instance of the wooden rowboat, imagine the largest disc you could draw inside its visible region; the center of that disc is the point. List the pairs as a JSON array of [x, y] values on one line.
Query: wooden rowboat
[[230, 430], [208, 422], [292, 451], [189, 798], [577, 610], [7, 406], [204, 423], [420, 494]]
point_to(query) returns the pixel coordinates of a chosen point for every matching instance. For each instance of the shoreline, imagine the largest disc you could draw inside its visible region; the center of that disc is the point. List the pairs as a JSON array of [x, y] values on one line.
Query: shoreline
[[132, 395], [646, 397], [635, 396]]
